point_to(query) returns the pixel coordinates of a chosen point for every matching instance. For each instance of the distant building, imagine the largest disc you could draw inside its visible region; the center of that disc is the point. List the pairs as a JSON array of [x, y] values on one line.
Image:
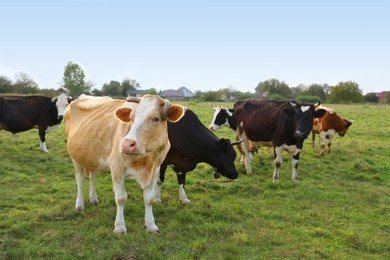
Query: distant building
[[182, 93], [381, 95]]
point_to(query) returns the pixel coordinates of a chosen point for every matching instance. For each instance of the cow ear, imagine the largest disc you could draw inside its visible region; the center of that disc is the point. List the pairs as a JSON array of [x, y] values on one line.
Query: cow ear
[[176, 112], [288, 112], [319, 113], [123, 114], [224, 143]]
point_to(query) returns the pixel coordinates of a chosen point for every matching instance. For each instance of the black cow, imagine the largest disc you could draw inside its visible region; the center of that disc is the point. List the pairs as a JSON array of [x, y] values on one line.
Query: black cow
[[283, 124], [192, 143], [22, 113]]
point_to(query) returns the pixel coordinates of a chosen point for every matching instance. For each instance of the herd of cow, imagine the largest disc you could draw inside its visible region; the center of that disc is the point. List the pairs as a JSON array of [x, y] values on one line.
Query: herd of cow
[[140, 137]]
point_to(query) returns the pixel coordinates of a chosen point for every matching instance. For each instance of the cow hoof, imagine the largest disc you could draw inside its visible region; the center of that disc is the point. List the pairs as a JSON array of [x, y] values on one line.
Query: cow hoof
[[296, 181], [152, 229], [186, 202], [275, 180], [79, 209], [157, 200], [120, 230], [94, 202]]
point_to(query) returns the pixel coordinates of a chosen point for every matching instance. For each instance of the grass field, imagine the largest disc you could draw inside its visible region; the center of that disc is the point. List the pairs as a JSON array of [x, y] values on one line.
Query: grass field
[[339, 210]]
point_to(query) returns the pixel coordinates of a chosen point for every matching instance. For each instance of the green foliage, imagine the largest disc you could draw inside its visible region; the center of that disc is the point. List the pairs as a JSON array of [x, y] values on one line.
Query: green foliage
[[371, 98], [274, 86], [275, 96], [309, 99], [113, 89], [346, 92], [74, 79], [245, 95], [317, 90], [210, 96], [339, 210]]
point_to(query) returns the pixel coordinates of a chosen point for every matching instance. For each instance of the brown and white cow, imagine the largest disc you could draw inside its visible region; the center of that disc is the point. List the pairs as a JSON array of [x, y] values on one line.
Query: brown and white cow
[[125, 138], [327, 126], [281, 124]]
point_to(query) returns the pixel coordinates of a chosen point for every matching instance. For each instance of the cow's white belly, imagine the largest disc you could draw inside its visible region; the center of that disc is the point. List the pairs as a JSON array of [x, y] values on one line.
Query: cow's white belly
[[51, 128], [329, 134], [291, 149]]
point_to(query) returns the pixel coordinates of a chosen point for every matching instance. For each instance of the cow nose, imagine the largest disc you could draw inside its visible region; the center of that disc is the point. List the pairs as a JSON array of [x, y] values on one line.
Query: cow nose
[[128, 146], [299, 135], [60, 117]]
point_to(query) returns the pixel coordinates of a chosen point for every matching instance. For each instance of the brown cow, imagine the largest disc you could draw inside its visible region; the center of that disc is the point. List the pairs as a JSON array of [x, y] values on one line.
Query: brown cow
[[125, 138], [327, 126]]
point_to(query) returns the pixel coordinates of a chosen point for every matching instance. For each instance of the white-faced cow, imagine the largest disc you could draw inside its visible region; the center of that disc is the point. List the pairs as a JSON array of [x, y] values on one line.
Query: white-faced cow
[[225, 117], [22, 113], [283, 124], [127, 139], [327, 126], [192, 143]]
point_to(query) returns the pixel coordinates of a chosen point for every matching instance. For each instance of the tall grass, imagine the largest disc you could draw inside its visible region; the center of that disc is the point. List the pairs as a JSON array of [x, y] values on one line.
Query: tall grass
[[340, 209]]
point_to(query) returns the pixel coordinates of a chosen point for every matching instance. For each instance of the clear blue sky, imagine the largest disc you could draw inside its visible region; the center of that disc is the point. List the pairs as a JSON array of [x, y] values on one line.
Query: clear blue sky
[[201, 44]]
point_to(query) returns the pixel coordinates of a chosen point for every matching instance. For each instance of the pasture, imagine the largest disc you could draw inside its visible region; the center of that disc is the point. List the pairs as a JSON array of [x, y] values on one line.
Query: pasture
[[339, 210]]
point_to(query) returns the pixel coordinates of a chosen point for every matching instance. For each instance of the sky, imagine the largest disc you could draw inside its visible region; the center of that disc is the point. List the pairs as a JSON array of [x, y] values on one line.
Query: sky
[[200, 44]]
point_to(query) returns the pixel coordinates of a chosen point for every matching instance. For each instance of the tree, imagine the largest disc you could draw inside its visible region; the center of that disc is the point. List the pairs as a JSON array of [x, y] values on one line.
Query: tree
[[25, 84], [316, 90], [113, 89], [274, 86], [5, 85], [371, 98], [152, 91], [346, 92], [128, 85], [74, 79]]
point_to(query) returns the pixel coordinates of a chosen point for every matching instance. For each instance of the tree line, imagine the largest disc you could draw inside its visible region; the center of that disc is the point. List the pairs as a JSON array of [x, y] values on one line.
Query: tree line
[[74, 81]]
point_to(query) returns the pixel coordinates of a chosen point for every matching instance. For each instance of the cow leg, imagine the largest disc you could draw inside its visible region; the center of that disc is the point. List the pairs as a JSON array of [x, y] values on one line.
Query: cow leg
[[160, 181], [181, 179], [42, 137], [277, 162], [322, 142], [93, 199], [313, 138], [79, 175], [245, 147], [118, 183], [149, 193], [329, 144], [294, 164]]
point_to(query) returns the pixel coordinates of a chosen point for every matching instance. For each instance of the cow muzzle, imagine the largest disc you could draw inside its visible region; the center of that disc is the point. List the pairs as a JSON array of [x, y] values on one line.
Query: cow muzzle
[[300, 135], [129, 146], [60, 117]]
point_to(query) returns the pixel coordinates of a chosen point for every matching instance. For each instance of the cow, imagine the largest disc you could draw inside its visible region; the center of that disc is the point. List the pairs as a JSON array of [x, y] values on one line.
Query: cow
[[23, 113], [327, 126], [225, 117], [192, 143], [128, 139], [281, 124]]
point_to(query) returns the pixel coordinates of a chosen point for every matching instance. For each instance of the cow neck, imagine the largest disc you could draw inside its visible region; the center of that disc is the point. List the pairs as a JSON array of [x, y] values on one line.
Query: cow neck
[[232, 122]]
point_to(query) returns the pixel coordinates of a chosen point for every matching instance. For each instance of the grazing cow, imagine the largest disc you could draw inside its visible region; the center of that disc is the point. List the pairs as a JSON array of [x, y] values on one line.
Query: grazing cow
[[225, 117], [125, 138], [192, 143], [283, 124], [22, 113], [327, 126]]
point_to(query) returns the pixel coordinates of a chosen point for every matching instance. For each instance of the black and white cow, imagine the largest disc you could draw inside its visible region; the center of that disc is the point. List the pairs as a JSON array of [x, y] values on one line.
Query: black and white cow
[[281, 124], [22, 113], [192, 143]]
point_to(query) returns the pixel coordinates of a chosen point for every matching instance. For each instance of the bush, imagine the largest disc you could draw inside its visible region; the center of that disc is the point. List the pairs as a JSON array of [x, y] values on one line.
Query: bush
[[309, 99]]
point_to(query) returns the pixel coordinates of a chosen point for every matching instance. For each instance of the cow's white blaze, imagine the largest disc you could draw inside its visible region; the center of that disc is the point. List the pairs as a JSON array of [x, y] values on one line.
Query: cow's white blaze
[[61, 104], [305, 108]]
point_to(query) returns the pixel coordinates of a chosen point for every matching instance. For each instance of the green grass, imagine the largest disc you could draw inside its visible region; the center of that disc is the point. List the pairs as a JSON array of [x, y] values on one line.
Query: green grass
[[339, 210]]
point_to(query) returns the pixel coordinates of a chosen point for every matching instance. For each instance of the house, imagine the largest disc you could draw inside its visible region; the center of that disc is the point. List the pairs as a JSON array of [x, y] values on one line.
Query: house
[[381, 95], [182, 93]]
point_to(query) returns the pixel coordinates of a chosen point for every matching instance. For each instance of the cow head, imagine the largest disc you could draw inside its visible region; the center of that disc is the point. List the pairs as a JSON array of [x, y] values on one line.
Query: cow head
[[148, 118], [225, 164], [303, 115], [345, 127], [61, 103], [220, 118]]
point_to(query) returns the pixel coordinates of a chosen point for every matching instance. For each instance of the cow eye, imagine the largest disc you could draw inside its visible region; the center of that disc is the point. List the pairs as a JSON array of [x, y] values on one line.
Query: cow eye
[[155, 119]]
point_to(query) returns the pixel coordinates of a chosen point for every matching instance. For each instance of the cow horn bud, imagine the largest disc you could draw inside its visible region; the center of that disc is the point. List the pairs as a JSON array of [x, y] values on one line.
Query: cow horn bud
[[165, 110], [236, 143], [133, 99]]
